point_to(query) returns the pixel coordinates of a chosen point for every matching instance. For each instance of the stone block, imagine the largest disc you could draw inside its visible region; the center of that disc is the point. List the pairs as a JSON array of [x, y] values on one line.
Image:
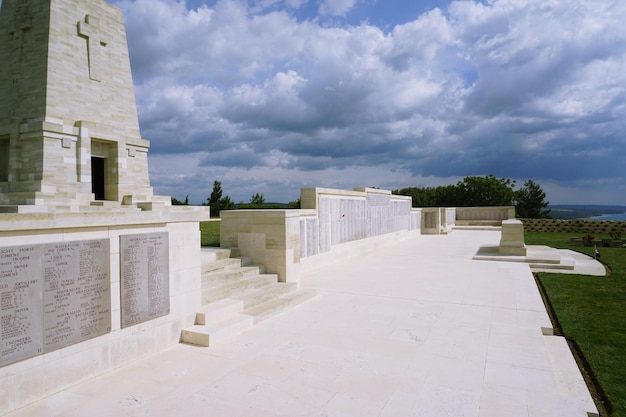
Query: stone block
[[512, 238]]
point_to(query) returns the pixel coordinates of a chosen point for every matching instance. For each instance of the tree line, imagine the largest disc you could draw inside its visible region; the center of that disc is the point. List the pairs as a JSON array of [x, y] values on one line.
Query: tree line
[[529, 200], [217, 201]]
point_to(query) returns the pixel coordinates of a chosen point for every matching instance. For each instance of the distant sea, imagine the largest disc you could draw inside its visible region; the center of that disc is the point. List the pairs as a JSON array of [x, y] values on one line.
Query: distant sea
[[593, 212], [619, 216]]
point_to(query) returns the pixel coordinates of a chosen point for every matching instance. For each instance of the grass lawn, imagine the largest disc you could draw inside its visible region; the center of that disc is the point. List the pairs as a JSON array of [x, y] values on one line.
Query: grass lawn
[[592, 312], [210, 233]]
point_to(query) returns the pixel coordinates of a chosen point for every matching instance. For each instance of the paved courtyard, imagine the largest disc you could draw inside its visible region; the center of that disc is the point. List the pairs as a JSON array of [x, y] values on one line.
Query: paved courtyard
[[413, 329]]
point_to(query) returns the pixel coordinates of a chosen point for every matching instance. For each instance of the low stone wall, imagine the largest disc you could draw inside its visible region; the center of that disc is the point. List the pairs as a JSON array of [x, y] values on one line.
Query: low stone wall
[[578, 226], [467, 215]]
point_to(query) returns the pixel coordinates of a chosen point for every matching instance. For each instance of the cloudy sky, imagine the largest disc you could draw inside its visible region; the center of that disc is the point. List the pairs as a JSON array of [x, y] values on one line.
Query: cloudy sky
[[271, 96]]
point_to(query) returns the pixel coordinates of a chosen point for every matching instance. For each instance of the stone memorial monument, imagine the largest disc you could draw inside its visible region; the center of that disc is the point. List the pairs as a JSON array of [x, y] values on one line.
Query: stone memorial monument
[[95, 270], [69, 132]]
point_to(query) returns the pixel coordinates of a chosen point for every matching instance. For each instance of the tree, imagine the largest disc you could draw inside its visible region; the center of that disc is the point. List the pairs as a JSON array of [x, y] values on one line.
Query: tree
[[421, 196], [485, 191], [257, 200], [531, 202], [226, 204], [217, 202], [294, 204], [472, 191], [447, 196], [176, 202]]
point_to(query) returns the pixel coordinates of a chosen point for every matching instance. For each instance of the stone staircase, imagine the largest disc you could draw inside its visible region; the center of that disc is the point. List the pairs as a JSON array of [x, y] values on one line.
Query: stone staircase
[[236, 295]]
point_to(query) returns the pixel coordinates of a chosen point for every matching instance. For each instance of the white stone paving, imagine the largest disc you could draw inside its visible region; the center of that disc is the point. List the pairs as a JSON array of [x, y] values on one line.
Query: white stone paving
[[413, 329]]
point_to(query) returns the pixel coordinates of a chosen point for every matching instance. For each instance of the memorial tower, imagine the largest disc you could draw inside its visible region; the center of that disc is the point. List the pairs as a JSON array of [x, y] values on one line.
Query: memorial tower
[[69, 132]]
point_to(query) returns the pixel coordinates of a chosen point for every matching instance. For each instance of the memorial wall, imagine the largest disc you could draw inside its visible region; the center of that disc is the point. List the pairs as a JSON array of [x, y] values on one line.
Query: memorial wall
[[55, 295], [344, 216]]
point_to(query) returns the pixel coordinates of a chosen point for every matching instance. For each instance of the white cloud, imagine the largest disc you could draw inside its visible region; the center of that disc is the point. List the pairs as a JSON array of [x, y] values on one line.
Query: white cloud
[[335, 7], [521, 89], [294, 4]]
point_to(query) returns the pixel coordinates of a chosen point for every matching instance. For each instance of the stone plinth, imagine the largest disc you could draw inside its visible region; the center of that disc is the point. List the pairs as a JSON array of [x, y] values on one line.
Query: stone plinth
[[512, 240]]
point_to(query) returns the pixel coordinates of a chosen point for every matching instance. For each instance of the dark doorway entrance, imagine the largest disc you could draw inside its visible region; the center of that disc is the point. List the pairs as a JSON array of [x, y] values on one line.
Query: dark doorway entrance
[[97, 177], [4, 160]]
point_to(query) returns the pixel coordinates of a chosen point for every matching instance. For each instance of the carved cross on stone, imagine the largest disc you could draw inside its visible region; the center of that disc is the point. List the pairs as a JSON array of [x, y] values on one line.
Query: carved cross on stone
[[90, 30], [23, 22]]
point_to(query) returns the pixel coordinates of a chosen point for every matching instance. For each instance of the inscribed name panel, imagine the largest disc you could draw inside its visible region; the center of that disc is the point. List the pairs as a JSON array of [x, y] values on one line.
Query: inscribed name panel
[[144, 273], [77, 292], [21, 307]]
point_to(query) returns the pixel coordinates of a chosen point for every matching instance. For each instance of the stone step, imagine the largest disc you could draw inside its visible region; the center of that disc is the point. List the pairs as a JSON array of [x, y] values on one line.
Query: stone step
[[10, 209], [554, 267], [253, 297], [213, 254], [278, 305], [229, 276], [478, 223], [237, 288], [218, 310], [569, 379], [217, 321], [565, 263], [220, 265], [227, 264], [209, 334], [64, 208], [478, 227], [235, 295], [115, 207]]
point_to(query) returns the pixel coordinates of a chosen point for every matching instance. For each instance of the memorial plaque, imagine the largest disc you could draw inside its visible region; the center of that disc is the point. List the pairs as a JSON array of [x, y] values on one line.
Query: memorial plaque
[[378, 200], [144, 271], [21, 309], [77, 292]]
